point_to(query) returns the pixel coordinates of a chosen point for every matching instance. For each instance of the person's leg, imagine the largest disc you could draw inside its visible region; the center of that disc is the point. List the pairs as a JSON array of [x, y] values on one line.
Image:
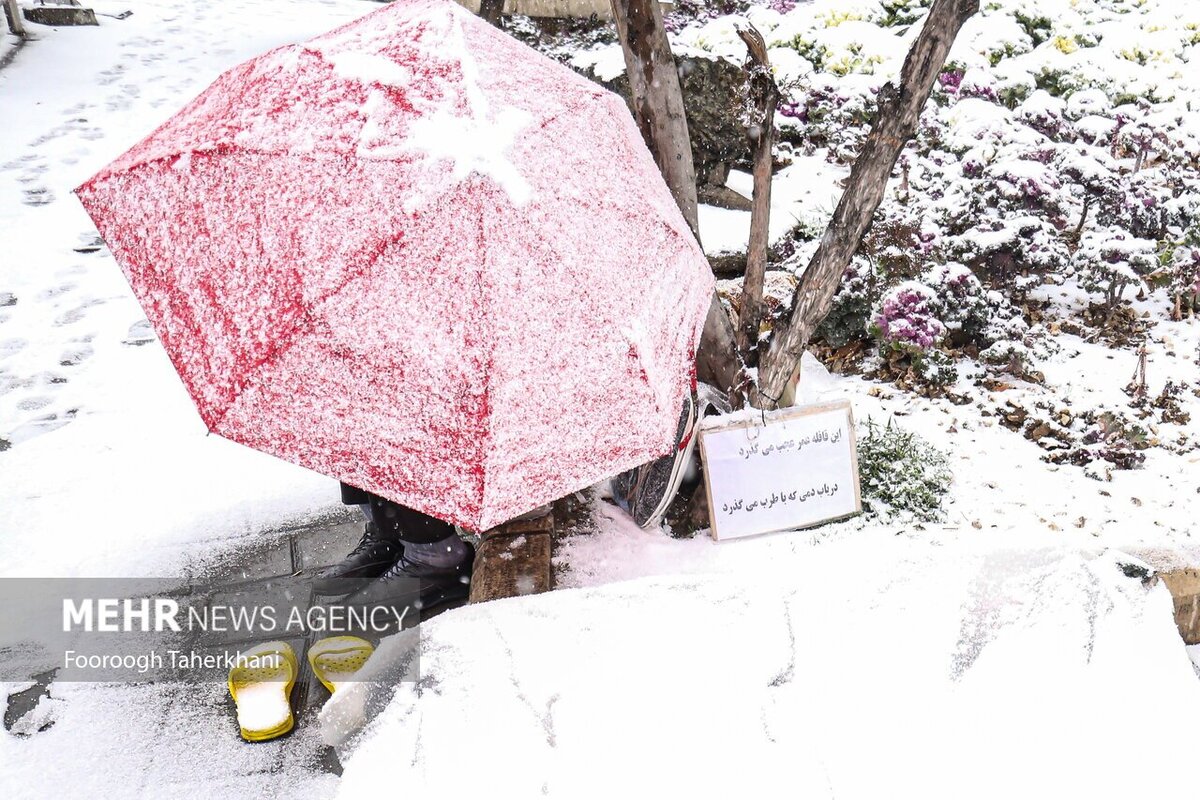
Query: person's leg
[[434, 567], [376, 552], [427, 541]]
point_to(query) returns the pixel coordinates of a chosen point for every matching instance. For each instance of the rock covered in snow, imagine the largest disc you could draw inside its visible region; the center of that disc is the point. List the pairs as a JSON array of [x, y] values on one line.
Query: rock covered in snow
[[943, 665], [712, 91]]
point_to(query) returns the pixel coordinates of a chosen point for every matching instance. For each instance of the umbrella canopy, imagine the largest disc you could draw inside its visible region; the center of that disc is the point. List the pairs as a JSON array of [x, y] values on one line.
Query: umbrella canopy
[[418, 256]]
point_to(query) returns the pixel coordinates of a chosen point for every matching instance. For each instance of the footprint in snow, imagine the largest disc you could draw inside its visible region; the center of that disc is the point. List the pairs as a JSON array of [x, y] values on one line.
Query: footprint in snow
[[33, 403], [40, 425], [40, 196], [75, 356], [55, 291], [111, 75], [73, 315]]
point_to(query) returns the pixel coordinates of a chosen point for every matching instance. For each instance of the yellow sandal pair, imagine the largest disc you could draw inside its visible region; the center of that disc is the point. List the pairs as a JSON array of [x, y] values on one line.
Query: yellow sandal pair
[[262, 679]]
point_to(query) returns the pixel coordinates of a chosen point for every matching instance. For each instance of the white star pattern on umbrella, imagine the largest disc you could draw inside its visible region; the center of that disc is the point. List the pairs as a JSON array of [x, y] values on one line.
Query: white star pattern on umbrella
[[477, 142]]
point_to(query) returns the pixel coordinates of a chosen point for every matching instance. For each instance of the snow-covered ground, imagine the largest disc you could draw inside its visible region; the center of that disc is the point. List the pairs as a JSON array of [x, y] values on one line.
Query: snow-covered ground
[[105, 468], [101, 443], [1001, 652]]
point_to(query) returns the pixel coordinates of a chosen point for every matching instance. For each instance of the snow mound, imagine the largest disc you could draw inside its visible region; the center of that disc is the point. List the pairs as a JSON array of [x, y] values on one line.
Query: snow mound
[[843, 670]]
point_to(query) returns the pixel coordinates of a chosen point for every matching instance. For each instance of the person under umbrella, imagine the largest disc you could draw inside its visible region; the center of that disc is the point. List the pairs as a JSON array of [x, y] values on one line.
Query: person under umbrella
[[375, 254], [400, 545]]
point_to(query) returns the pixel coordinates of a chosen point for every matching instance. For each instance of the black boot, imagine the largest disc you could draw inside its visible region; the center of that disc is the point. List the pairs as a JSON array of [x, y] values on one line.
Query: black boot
[[420, 587], [374, 555]]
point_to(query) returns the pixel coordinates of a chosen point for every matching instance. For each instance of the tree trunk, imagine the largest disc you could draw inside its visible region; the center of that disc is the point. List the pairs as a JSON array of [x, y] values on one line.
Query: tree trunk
[[658, 109], [764, 94], [15, 23], [657, 97], [490, 11], [895, 123]]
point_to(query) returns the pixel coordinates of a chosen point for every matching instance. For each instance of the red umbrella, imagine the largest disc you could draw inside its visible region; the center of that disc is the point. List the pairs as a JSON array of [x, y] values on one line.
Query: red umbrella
[[415, 255]]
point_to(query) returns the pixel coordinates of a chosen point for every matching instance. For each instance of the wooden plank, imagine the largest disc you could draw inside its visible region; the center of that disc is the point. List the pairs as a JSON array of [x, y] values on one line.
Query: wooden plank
[[514, 560]]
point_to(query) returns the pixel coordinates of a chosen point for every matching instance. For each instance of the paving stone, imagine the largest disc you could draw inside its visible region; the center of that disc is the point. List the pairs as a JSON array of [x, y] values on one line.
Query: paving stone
[[253, 563], [279, 592], [321, 546]]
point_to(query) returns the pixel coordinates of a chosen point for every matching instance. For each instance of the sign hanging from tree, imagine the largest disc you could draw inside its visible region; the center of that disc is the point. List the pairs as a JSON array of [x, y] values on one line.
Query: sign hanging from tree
[[781, 470]]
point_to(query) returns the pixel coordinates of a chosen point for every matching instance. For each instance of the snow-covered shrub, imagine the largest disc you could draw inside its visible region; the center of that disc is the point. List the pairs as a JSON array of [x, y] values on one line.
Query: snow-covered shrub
[[1045, 114], [903, 12], [825, 112], [1137, 204], [1037, 25], [856, 296], [1110, 260], [1087, 103], [979, 83], [901, 473], [934, 367], [1021, 353], [1008, 353], [1001, 247], [907, 319], [1091, 175], [1004, 320], [900, 245], [1111, 439], [960, 303], [909, 333], [1137, 139], [685, 12]]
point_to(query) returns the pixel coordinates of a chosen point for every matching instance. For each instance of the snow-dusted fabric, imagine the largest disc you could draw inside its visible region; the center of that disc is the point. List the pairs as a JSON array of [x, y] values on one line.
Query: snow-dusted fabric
[[415, 255]]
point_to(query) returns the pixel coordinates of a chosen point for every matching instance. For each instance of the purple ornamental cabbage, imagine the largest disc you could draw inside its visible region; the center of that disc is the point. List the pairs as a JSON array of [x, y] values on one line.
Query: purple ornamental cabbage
[[906, 318]]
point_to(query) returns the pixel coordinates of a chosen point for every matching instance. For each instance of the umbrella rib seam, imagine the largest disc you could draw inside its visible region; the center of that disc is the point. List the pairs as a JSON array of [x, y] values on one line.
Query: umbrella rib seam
[[306, 326]]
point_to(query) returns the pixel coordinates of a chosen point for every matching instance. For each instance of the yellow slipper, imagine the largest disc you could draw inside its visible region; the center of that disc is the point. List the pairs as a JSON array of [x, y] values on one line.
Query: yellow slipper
[[335, 660], [261, 684]]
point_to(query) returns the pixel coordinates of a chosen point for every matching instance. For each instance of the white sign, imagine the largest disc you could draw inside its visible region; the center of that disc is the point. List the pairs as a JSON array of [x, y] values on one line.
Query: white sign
[[780, 471]]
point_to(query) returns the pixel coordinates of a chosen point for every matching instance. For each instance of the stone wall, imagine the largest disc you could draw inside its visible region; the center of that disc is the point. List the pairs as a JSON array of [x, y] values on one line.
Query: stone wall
[[1185, 591]]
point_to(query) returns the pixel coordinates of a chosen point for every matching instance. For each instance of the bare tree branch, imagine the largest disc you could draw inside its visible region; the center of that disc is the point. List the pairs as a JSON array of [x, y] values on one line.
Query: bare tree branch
[[895, 123], [764, 99]]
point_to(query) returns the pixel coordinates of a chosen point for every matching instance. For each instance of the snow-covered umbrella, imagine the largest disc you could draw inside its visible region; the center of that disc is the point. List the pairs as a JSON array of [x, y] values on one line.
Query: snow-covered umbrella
[[415, 255]]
